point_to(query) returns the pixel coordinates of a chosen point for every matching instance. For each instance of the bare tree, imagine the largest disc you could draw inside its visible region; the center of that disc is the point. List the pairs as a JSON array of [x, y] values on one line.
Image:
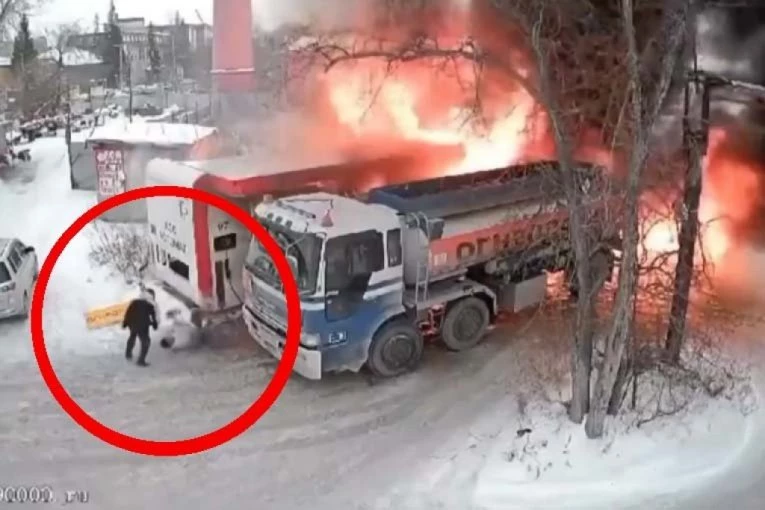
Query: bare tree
[[11, 12], [646, 99], [60, 39], [121, 248]]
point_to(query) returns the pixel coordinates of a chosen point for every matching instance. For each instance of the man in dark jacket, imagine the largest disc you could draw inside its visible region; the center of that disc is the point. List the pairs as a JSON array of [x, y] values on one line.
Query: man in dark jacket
[[139, 317]]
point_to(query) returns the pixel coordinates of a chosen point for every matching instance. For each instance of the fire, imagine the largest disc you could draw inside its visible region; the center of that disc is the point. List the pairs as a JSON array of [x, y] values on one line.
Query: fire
[[376, 104], [729, 210], [369, 102], [660, 237]]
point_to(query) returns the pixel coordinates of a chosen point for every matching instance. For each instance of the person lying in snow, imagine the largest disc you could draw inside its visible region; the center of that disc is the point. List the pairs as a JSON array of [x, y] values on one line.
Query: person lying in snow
[[177, 333]]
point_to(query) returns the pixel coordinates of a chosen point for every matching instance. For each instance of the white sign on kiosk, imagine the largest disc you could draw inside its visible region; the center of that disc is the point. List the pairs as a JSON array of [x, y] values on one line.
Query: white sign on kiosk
[[110, 168]]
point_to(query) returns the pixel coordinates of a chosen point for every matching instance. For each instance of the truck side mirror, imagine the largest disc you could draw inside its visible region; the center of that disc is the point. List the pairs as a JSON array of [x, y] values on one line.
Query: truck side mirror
[[436, 229]]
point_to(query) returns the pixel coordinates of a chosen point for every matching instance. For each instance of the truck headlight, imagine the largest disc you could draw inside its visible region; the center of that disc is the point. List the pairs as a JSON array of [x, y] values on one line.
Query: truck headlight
[[337, 337], [309, 340]]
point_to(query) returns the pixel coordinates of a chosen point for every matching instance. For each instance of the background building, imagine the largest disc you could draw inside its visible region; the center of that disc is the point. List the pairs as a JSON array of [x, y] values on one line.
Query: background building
[[189, 51], [80, 68], [185, 49]]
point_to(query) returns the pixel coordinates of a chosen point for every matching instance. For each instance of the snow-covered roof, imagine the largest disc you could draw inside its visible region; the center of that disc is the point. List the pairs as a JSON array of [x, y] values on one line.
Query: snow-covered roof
[[5, 61], [238, 168], [73, 57], [160, 134], [266, 161]]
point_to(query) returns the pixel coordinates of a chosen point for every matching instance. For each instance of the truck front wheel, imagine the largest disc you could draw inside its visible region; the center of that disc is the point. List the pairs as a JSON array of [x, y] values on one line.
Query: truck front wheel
[[465, 324], [396, 349]]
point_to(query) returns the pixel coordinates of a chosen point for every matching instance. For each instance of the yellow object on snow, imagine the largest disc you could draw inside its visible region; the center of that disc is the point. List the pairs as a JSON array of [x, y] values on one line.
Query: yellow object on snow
[[106, 316]]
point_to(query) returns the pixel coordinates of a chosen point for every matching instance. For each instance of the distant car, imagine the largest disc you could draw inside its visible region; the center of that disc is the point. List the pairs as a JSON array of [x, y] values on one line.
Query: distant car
[[18, 274], [51, 126]]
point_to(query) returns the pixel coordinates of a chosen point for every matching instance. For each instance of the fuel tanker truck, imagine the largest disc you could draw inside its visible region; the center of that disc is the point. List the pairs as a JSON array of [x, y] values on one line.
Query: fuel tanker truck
[[439, 259]]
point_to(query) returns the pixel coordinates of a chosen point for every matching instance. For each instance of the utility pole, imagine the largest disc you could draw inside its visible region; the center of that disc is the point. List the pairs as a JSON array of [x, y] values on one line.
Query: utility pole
[[23, 85], [68, 130], [698, 89], [175, 61], [130, 89], [695, 135], [119, 78]]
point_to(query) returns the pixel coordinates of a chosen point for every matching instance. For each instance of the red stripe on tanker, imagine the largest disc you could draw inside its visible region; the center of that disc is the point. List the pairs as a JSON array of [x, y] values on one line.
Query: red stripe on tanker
[[453, 252]]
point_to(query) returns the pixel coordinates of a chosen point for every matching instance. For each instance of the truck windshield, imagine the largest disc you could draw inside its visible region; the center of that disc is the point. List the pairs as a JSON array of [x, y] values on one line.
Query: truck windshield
[[306, 248]]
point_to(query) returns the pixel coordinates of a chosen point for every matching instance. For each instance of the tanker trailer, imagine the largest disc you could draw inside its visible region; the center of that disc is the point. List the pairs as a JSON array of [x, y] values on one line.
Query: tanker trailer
[[437, 259]]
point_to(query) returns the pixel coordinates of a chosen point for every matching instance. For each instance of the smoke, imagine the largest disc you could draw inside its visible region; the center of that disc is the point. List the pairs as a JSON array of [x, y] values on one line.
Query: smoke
[[732, 42], [269, 15]]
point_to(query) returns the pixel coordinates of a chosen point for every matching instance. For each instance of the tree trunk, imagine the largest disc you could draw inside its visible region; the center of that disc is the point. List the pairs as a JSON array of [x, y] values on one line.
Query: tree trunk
[[644, 115], [689, 230], [581, 358], [617, 395], [581, 362], [622, 321]]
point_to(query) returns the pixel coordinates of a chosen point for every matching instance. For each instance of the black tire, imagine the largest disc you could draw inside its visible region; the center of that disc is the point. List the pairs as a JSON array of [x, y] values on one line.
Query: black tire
[[465, 324], [395, 350]]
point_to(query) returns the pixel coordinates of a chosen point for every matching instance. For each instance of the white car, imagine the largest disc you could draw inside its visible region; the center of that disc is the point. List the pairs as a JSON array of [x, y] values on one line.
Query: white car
[[18, 273]]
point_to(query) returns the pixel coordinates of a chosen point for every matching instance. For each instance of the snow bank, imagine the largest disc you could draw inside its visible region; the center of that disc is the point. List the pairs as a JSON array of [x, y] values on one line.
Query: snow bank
[[544, 461], [521, 452], [547, 460]]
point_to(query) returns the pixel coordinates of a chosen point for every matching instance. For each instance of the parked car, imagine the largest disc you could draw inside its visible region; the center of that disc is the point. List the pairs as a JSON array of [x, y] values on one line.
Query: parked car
[[18, 273], [51, 126]]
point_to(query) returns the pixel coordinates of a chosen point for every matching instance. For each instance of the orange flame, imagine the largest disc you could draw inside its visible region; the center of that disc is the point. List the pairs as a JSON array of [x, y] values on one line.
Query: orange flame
[[371, 103], [732, 185]]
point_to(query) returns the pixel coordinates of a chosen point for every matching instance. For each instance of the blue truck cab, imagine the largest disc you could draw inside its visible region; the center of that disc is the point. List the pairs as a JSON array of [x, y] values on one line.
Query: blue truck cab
[[346, 257]]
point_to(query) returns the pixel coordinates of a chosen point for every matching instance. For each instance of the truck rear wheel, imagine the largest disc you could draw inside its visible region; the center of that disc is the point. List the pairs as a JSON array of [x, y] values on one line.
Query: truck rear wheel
[[465, 324], [396, 349]]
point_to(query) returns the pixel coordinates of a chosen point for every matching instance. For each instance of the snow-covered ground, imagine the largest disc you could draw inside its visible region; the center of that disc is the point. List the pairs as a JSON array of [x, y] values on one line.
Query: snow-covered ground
[[467, 431]]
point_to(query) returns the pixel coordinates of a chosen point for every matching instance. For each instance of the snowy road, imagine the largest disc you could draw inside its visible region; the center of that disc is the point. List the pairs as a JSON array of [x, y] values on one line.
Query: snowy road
[[338, 444]]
